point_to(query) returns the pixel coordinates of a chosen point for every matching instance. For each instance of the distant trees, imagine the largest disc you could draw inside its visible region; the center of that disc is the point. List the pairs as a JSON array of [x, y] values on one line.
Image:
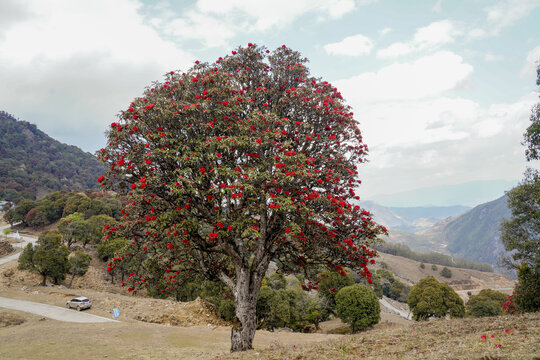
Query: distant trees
[[31, 160], [432, 257], [446, 272], [521, 233], [329, 284], [358, 306], [386, 284], [49, 258], [429, 298], [78, 265], [61, 204], [486, 303]]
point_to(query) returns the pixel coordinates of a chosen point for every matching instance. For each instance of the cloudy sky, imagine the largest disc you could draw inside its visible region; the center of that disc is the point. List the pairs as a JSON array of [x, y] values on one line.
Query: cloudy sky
[[442, 89]]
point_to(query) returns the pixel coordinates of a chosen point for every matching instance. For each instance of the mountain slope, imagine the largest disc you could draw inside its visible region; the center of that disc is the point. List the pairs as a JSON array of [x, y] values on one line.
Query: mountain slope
[[475, 235], [33, 164], [411, 219]]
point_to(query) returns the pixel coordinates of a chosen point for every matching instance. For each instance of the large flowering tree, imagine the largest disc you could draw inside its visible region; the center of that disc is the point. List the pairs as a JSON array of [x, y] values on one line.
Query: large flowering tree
[[235, 164]]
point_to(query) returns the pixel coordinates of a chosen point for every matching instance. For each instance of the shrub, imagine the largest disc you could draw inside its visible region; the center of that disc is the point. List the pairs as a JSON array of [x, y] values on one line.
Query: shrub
[[434, 267], [330, 284], [446, 272], [485, 308], [429, 298], [422, 266], [358, 306], [486, 303], [527, 292]]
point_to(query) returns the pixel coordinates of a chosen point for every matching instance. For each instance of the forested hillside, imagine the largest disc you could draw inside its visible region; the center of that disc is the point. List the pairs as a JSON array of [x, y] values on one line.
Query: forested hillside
[[33, 164], [475, 235]]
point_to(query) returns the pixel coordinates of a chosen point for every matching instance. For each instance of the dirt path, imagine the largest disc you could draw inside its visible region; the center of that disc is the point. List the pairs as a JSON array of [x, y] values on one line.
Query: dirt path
[[26, 239], [52, 312]]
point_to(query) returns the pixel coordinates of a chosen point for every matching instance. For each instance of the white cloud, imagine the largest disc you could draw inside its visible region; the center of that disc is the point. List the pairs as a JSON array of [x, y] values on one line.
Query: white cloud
[[531, 63], [71, 68], [437, 7], [385, 31], [215, 22], [426, 77], [442, 140], [352, 45], [428, 37], [503, 14]]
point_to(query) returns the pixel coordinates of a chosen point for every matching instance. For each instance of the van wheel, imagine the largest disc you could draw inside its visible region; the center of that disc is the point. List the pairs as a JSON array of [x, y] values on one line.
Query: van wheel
[[67, 305], [78, 308]]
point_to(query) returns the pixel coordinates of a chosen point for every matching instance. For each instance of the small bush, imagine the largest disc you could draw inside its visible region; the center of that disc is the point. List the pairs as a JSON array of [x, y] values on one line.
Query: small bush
[[422, 266], [358, 306], [446, 272], [434, 267], [429, 298], [485, 308]]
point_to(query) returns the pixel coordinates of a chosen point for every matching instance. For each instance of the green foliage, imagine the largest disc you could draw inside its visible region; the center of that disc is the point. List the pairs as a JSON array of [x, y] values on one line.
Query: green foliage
[[19, 212], [389, 286], [108, 248], [78, 265], [446, 272], [276, 281], [532, 134], [62, 203], [358, 306], [422, 266], [485, 308], [49, 258], [403, 250], [329, 284], [36, 218], [520, 234], [31, 160], [527, 292], [486, 303], [434, 267], [429, 298]]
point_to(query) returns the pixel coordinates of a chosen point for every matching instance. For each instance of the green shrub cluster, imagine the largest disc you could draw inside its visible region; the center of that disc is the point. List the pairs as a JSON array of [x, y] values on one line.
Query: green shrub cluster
[[384, 283], [60, 204], [429, 298], [446, 272], [358, 306], [486, 303]]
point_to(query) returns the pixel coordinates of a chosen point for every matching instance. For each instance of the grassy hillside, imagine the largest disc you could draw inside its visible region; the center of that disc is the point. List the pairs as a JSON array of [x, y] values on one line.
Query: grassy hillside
[[475, 235], [33, 164]]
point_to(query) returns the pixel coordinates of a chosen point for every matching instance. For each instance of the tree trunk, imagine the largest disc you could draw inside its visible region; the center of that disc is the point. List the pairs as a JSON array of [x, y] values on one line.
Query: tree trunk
[[246, 293], [44, 280], [71, 281]]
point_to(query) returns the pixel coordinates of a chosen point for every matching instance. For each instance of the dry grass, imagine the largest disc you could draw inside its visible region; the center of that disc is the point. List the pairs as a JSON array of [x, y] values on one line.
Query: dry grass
[[442, 339]]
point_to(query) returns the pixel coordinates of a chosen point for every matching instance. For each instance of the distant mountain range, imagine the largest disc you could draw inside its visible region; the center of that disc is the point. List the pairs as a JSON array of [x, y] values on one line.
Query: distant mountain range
[[411, 219], [467, 194], [473, 234], [33, 164]]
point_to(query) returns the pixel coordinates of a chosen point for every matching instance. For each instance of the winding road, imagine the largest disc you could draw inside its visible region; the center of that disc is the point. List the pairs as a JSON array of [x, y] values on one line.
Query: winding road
[[49, 311]]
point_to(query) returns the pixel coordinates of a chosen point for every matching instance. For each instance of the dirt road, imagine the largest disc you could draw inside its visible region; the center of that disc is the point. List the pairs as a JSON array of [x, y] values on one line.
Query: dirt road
[[50, 311]]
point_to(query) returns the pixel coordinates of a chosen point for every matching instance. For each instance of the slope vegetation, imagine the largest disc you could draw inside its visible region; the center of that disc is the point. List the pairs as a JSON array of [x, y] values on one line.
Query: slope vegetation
[[33, 164]]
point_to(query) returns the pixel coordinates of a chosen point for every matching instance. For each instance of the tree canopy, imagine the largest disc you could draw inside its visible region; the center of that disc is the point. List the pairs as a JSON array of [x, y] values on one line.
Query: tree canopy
[[235, 163], [430, 298]]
